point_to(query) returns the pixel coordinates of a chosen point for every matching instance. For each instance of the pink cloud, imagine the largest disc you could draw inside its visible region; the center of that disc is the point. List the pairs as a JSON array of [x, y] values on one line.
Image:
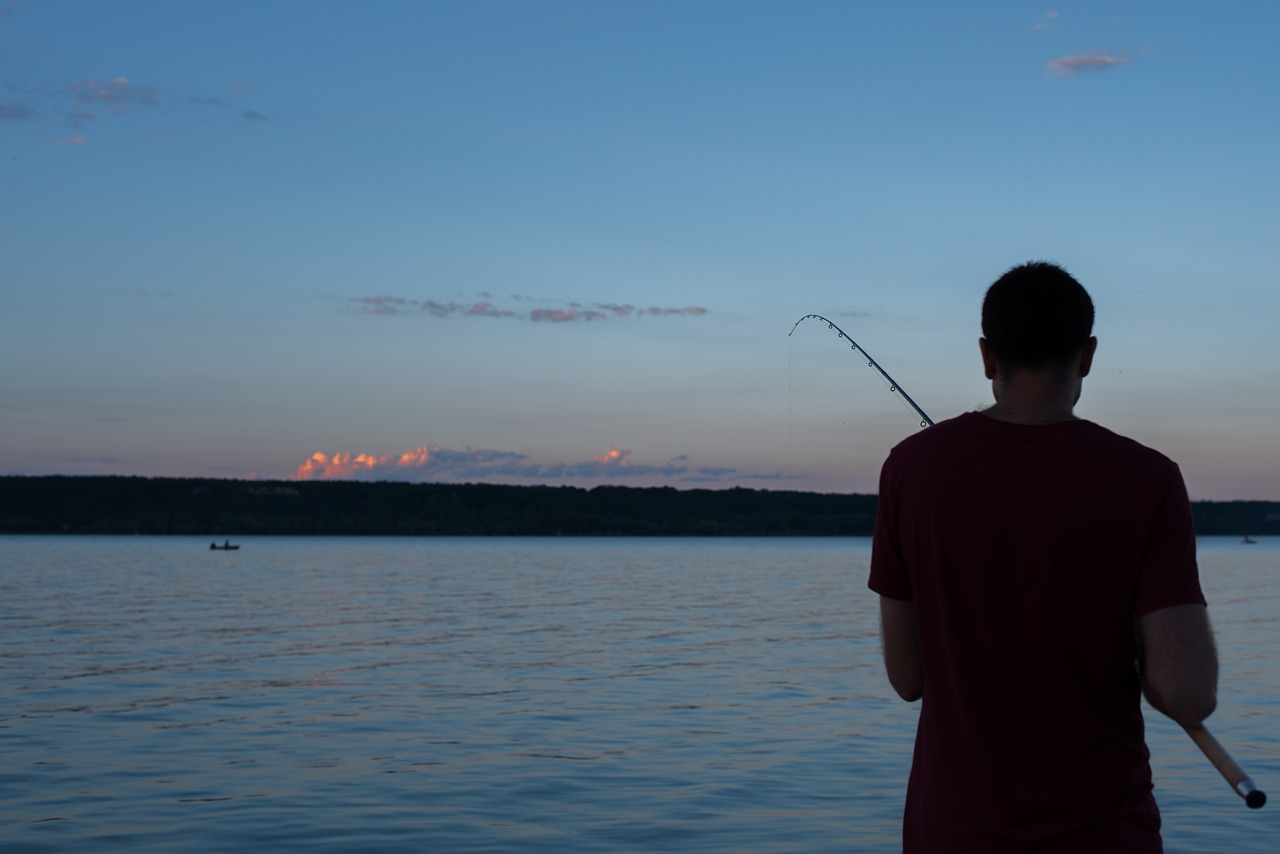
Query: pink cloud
[[485, 309], [386, 304], [78, 139], [1093, 60], [442, 465]]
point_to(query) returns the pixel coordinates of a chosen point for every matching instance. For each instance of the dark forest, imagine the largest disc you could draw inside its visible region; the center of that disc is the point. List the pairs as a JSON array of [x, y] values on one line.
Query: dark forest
[[229, 508]]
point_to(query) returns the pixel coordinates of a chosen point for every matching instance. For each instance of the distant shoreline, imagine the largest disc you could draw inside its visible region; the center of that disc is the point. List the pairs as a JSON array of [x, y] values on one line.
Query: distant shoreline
[[208, 507]]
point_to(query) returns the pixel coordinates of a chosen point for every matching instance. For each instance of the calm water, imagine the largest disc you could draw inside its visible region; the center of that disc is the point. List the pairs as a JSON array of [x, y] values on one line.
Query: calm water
[[470, 695]]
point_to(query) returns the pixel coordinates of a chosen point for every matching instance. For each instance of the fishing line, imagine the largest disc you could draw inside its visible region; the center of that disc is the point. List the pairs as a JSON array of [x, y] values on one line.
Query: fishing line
[[789, 396], [1213, 750]]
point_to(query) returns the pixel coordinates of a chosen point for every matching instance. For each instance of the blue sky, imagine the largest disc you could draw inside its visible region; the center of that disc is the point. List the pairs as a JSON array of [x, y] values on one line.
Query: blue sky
[[564, 242]]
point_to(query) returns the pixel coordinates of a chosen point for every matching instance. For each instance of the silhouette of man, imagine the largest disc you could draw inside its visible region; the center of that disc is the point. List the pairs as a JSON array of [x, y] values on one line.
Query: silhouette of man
[[1024, 558]]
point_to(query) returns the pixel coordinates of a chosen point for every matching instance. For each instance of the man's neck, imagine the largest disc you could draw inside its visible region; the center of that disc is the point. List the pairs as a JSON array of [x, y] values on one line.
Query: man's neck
[[1038, 397], [1028, 414]]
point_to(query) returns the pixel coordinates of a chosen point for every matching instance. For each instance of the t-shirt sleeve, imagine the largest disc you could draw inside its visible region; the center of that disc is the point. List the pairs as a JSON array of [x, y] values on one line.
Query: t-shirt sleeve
[[1170, 575], [889, 576]]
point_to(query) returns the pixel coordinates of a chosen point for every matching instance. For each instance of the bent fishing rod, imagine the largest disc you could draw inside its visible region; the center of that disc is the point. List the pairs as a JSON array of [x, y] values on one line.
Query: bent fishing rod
[[925, 420], [1213, 750]]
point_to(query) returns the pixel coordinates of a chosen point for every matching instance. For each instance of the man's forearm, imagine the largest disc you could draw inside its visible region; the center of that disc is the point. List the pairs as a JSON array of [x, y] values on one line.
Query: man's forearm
[[1180, 670], [901, 647]]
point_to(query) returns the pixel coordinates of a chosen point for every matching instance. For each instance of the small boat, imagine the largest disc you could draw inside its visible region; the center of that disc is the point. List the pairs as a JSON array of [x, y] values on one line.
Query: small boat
[[225, 547], [1249, 540]]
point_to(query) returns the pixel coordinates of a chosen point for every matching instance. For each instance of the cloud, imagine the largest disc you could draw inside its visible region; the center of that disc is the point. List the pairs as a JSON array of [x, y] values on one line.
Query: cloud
[[382, 304], [387, 304], [114, 96], [78, 139], [1093, 60], [432, 463], [93, 99], [476, 309], [566, 313], [12, 111], [1050, 16], [425, 463], [560, 315], [692, 310]]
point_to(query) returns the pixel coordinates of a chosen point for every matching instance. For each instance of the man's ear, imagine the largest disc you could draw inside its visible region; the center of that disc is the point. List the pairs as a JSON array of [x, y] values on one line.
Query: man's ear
[[988, 360], [1086, 355]]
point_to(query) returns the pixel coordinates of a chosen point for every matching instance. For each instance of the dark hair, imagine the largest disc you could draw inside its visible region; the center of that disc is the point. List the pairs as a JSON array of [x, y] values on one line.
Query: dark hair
[[1036, 316]]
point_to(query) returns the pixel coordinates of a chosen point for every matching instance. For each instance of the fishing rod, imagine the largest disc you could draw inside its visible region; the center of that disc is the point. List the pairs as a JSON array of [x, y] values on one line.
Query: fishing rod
[[1213, 750], [1227, 767], [925, 420]]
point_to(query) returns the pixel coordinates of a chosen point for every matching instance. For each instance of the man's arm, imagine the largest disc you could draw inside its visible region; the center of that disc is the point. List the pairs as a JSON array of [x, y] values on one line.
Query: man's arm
[[901, 647], [1180, 671]]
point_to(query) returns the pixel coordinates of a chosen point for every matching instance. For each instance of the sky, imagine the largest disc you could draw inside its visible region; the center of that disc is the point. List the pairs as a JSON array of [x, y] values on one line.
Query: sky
[[565, 243]]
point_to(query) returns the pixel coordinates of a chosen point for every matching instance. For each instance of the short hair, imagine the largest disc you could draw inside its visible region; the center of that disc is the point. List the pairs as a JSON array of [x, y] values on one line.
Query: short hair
[[1036, 316]]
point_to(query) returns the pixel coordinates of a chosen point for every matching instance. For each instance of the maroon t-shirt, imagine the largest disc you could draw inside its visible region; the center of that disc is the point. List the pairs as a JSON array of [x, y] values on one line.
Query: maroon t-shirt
[[1029, 552]]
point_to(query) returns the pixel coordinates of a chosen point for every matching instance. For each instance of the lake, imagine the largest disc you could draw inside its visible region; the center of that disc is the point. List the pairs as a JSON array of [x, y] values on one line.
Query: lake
[[511, 695]]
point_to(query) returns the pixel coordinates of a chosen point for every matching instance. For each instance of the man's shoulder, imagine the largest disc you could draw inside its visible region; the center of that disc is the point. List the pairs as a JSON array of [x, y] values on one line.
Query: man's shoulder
[[973, 429], [1104, 438], [948, 432]]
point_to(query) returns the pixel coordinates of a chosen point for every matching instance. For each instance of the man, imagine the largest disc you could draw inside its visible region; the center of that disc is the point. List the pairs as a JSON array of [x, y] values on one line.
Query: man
[[1024, 559]]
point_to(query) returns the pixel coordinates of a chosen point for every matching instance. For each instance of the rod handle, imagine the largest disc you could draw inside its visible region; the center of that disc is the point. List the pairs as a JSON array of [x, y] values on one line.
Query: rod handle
[[1239, 781]]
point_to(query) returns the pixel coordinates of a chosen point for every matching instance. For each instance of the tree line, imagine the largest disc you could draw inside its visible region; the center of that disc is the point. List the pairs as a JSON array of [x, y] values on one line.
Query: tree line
[[228, 508]]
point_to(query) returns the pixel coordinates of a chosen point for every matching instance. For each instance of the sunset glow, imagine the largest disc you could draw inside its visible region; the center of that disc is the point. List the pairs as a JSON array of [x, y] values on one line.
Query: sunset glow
[[436, 464]]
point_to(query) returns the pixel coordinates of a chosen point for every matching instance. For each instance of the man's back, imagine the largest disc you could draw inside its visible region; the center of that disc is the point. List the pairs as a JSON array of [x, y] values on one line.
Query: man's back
[[1028, 552]]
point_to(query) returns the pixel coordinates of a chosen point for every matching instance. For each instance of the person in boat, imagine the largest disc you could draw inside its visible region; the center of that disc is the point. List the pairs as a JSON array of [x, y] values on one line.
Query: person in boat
[[1026, 560]]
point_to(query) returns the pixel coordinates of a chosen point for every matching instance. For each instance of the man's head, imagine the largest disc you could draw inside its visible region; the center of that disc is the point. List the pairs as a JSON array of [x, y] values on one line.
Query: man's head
[[1036, 317]]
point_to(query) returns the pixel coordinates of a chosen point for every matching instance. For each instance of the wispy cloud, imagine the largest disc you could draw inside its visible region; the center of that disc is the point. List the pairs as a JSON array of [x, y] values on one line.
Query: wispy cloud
[[690, 310], [1048, 21], [381, 304], [385, 304], [561, 315], [112, 96], [1093, 60], [100, 99], [78, 139], [432, 463], [12, 111]]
